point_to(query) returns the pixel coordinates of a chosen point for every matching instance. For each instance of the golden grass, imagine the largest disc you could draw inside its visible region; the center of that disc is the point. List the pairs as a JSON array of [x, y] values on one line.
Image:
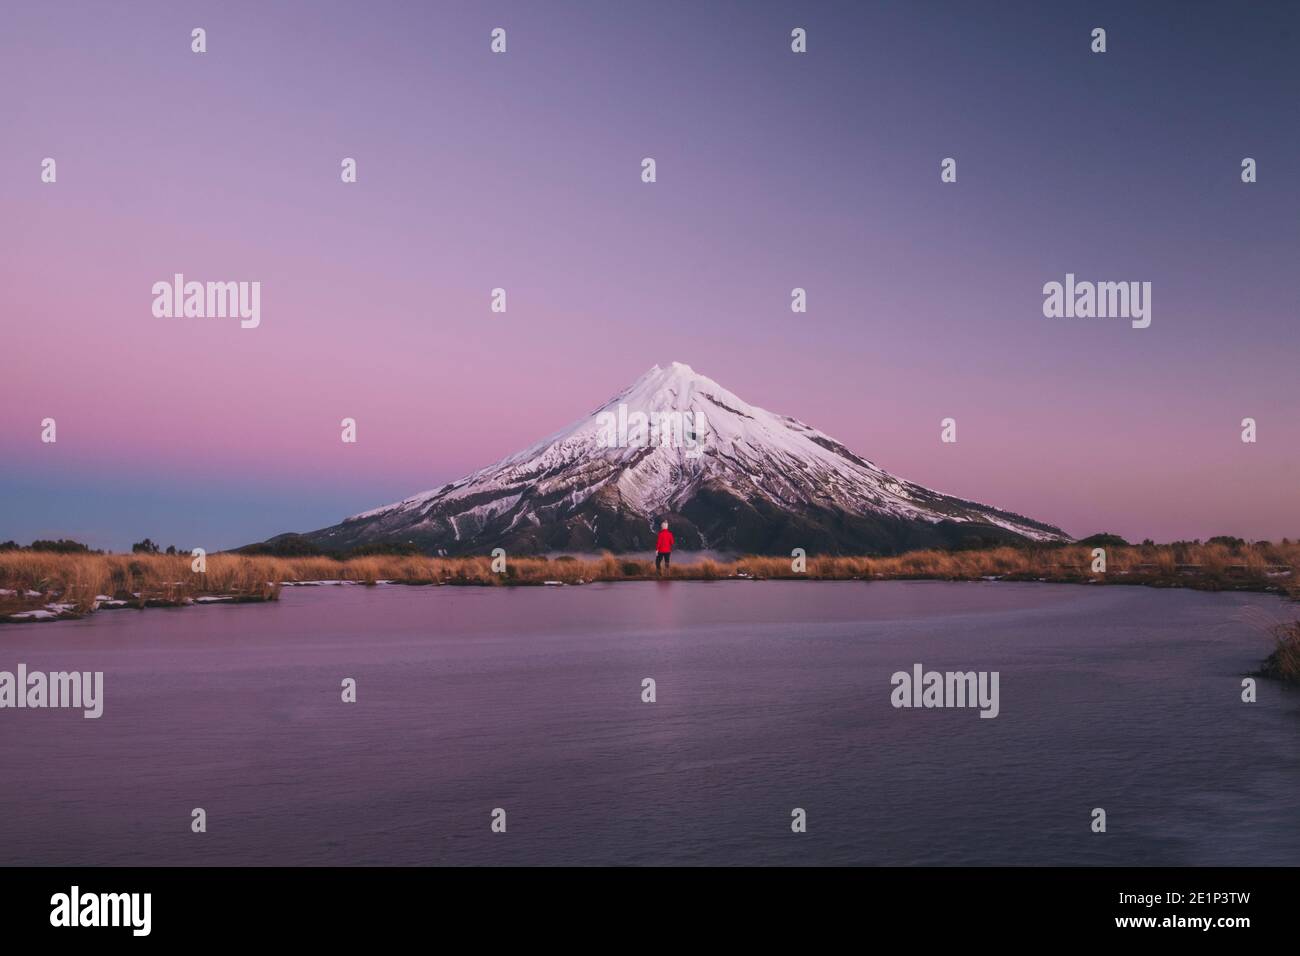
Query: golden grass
[[1284, 662], [164, 579], [79, 579]]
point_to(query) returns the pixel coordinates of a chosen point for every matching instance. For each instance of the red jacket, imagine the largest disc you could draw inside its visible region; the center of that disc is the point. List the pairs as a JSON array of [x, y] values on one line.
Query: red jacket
[[665, 542]]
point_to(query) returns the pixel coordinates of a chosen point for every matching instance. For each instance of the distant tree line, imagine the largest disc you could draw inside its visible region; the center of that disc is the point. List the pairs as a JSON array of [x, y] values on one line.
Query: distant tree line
[[61, 546], [285, 546], [68, 546], [977, 542], [296, 546], [148, 547]]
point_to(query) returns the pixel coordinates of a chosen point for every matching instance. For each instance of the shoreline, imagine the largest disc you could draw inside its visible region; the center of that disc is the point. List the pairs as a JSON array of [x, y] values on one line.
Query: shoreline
[[42, 587]]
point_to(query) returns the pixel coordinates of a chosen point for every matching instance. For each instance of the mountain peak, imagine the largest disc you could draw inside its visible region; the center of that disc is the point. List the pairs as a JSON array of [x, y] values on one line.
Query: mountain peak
[[673, 371], [674, 387]]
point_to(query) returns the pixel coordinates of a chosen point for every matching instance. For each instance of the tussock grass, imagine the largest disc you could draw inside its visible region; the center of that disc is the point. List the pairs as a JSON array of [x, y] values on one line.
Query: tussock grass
[[155, 579], [1284, 662], [140, 580]]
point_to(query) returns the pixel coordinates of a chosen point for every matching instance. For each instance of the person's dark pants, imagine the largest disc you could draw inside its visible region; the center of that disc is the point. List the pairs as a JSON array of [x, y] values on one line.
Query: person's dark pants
[[665, 557]]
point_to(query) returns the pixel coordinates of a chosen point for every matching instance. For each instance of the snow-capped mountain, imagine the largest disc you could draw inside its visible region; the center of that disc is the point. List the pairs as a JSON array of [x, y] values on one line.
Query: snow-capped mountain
[[677, 445]]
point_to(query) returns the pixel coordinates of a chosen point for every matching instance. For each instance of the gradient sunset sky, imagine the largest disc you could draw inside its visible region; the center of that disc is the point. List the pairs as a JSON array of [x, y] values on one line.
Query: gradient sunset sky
[[775, 170]]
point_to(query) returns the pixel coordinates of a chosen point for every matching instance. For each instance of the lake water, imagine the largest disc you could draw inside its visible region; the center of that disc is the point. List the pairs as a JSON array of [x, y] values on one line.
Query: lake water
[[770, 696]]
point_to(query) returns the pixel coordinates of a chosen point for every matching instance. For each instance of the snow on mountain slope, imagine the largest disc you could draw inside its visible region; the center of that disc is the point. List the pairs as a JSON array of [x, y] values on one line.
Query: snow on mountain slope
[[677, 444]]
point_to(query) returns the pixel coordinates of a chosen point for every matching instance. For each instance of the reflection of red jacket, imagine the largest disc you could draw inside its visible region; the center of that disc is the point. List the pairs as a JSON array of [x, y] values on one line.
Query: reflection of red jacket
[[665, 542]]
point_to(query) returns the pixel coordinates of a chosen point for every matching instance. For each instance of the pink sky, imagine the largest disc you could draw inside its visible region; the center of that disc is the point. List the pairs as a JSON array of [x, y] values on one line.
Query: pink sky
[[522, 171]]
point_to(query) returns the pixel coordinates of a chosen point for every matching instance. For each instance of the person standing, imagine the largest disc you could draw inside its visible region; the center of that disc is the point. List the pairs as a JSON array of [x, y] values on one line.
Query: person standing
[[663, 547]]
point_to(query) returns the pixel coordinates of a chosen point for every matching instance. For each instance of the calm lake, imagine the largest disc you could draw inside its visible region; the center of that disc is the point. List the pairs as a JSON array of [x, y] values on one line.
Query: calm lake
[[770, 696]]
